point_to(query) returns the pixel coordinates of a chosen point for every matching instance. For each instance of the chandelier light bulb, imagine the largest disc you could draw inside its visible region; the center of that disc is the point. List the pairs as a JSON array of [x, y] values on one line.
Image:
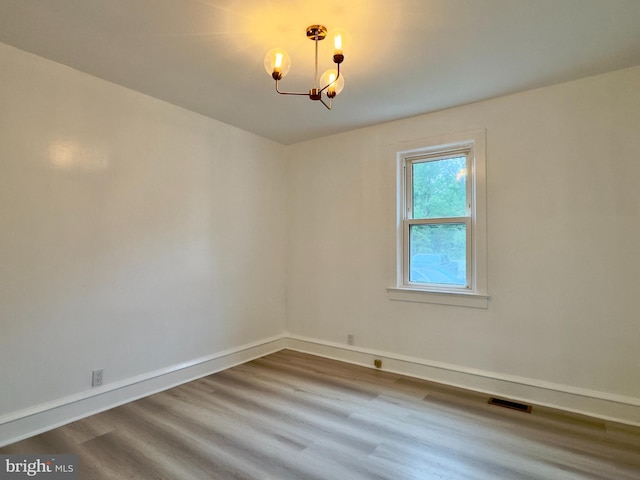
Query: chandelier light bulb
[[277, 63], [335, 82], [341, 42], [337, 43]]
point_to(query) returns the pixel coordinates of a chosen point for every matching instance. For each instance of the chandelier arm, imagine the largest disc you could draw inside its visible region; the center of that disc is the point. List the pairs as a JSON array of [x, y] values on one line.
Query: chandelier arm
[[306, 94], [330, 103], [331, 83]]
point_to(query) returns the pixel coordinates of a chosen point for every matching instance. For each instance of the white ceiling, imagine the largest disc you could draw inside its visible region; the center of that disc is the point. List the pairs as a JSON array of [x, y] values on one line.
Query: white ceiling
[[406, 57]]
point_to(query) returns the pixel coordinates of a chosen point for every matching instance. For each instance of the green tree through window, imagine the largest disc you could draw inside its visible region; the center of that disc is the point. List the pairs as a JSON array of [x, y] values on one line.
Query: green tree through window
[[440, 188]]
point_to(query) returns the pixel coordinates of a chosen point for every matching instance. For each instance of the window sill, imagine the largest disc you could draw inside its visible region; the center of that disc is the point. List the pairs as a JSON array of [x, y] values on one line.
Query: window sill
[[472, 300]]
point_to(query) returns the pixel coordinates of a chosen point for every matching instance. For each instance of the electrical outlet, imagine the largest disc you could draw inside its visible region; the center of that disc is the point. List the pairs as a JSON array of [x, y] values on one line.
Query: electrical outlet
[[96, 378], [350, 339]]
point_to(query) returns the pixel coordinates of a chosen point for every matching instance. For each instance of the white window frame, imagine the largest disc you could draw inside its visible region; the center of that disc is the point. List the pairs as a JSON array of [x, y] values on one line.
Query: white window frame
[[474, 293]]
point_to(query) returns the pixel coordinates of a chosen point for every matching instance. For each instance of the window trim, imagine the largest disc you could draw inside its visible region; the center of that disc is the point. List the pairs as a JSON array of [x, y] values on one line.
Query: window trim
[[475, 294]]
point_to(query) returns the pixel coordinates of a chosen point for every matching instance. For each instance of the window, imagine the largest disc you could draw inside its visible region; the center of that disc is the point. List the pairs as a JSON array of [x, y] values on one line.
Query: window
[[441, 238], [437, 221]]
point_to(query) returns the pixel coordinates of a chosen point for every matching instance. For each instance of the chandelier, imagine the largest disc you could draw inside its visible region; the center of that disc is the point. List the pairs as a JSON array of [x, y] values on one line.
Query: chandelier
[[277, 64]]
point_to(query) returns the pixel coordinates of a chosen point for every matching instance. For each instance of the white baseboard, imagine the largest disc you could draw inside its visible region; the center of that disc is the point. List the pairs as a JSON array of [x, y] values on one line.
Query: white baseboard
[[32, 421], [616, 408]]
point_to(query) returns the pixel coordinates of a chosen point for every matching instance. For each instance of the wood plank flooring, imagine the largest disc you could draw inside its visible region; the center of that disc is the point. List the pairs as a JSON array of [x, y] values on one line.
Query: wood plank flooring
[[296, 416]]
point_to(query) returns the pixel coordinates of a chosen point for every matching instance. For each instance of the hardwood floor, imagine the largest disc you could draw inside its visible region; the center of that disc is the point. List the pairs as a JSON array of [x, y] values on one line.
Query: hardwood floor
[[296, 416]]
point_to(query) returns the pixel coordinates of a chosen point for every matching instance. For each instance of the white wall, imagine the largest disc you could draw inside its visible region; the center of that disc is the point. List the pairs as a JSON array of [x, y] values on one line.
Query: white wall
[[139, 238], [134, 235], [563, 229]]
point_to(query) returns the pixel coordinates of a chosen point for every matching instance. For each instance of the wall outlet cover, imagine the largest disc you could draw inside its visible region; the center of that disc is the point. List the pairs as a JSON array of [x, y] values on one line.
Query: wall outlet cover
[[96, 378]]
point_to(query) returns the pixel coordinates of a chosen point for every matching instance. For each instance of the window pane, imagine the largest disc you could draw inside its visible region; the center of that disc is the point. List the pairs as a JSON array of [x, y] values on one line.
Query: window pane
[[438, 253], [440, 188]]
